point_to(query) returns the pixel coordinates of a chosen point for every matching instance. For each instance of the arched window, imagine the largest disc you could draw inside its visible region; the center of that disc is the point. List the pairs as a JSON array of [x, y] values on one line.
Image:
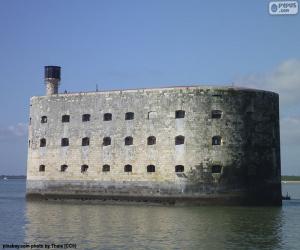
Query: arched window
[[129, 116], [216, 140], [65, 118], [44, 119], [127, 168], [64, 142], [86, 117], [128, 140], [216, 169], [106, 141], [84, 168], [63, 168], [151, 140], [42, 168], [43, 142], [179, 168], [216, 114], [85, 141], [150, 168], [107, 117], [179, 140], [105, 168], [179, 114]]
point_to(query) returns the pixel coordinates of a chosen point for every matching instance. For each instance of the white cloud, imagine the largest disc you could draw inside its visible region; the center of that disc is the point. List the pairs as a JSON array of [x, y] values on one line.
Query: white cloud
[[18, 130], [284, 79], [290, 130]]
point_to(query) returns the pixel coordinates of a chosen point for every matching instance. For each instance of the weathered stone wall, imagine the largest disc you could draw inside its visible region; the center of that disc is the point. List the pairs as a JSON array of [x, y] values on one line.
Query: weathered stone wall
[[249, 154]]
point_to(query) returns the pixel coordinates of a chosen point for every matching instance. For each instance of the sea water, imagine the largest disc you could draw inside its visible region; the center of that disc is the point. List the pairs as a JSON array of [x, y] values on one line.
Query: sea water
[[77, 225]]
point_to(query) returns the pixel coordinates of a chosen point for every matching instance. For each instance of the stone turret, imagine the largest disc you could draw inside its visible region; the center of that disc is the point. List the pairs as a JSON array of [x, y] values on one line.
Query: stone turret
[[52, 79]]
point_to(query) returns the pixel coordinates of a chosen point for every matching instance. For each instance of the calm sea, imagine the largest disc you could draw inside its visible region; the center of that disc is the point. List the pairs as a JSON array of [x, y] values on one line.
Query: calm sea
[[94, 226]]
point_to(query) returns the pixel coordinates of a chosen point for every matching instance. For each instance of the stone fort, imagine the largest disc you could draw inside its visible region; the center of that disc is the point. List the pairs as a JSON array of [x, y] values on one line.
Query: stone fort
[[175, 145]]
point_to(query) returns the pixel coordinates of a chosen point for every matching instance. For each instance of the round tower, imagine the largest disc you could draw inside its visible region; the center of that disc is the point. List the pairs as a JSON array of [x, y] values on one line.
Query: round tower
[[52, 79]]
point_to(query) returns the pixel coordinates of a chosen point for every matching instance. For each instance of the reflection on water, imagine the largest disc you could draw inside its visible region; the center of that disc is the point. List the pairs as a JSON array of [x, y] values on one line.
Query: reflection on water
[[93, 226]]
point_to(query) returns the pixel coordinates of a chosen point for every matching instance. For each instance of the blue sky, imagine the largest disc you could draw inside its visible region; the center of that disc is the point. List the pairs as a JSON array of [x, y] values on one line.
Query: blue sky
[[144, 43]]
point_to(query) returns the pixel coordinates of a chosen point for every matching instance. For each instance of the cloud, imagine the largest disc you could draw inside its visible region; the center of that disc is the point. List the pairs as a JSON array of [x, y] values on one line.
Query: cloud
[[290, 130], [284, 79], [18, 130]]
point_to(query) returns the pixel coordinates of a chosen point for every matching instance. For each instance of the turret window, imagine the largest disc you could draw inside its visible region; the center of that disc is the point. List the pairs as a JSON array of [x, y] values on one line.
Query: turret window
[[42, 168], [63, 168], [150, 168], [129, 116], [86, 117], [107, 117], [127, 168], [216, 114], [151, 140], [42, 142], [128, 140], [179, 140], [85, 141], [216, 140], [44, 119], [105, 168], [179, 168], [106, 141], [84, 168], [179, 114], [64, 142], [65, 118]]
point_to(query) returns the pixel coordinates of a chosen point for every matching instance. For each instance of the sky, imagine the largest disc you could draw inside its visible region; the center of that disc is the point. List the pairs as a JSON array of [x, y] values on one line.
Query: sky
[[119, 44]]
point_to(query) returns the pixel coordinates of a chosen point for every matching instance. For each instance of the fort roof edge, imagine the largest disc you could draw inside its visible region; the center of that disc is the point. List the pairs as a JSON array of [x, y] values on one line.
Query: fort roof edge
[[180, 87]]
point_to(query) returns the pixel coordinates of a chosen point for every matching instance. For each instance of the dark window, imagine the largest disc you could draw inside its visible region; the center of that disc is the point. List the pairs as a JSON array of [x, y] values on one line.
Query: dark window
[[65, 118], [63, 168], [29, 143], [151, 140], [179, 140], [128, 140], [86, 117], [216, 140], [84, 168], [129, 116], [216, 169], [150, 168], [42, 168], [44, 119], [30, 121], [216, 114], [107, 117], [106, 141], [85, 141], [179, 114], [64, 142], [216, 95], [127, 168], [179, 168], [43, 142], [105, 168]]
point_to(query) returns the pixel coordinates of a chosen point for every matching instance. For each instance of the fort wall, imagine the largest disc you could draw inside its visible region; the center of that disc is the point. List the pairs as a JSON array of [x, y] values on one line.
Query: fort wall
[[230, 150]]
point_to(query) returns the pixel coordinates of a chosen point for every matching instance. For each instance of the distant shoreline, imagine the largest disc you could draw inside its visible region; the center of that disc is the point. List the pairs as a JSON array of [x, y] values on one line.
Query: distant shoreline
[[12, 177], [290, 182]]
